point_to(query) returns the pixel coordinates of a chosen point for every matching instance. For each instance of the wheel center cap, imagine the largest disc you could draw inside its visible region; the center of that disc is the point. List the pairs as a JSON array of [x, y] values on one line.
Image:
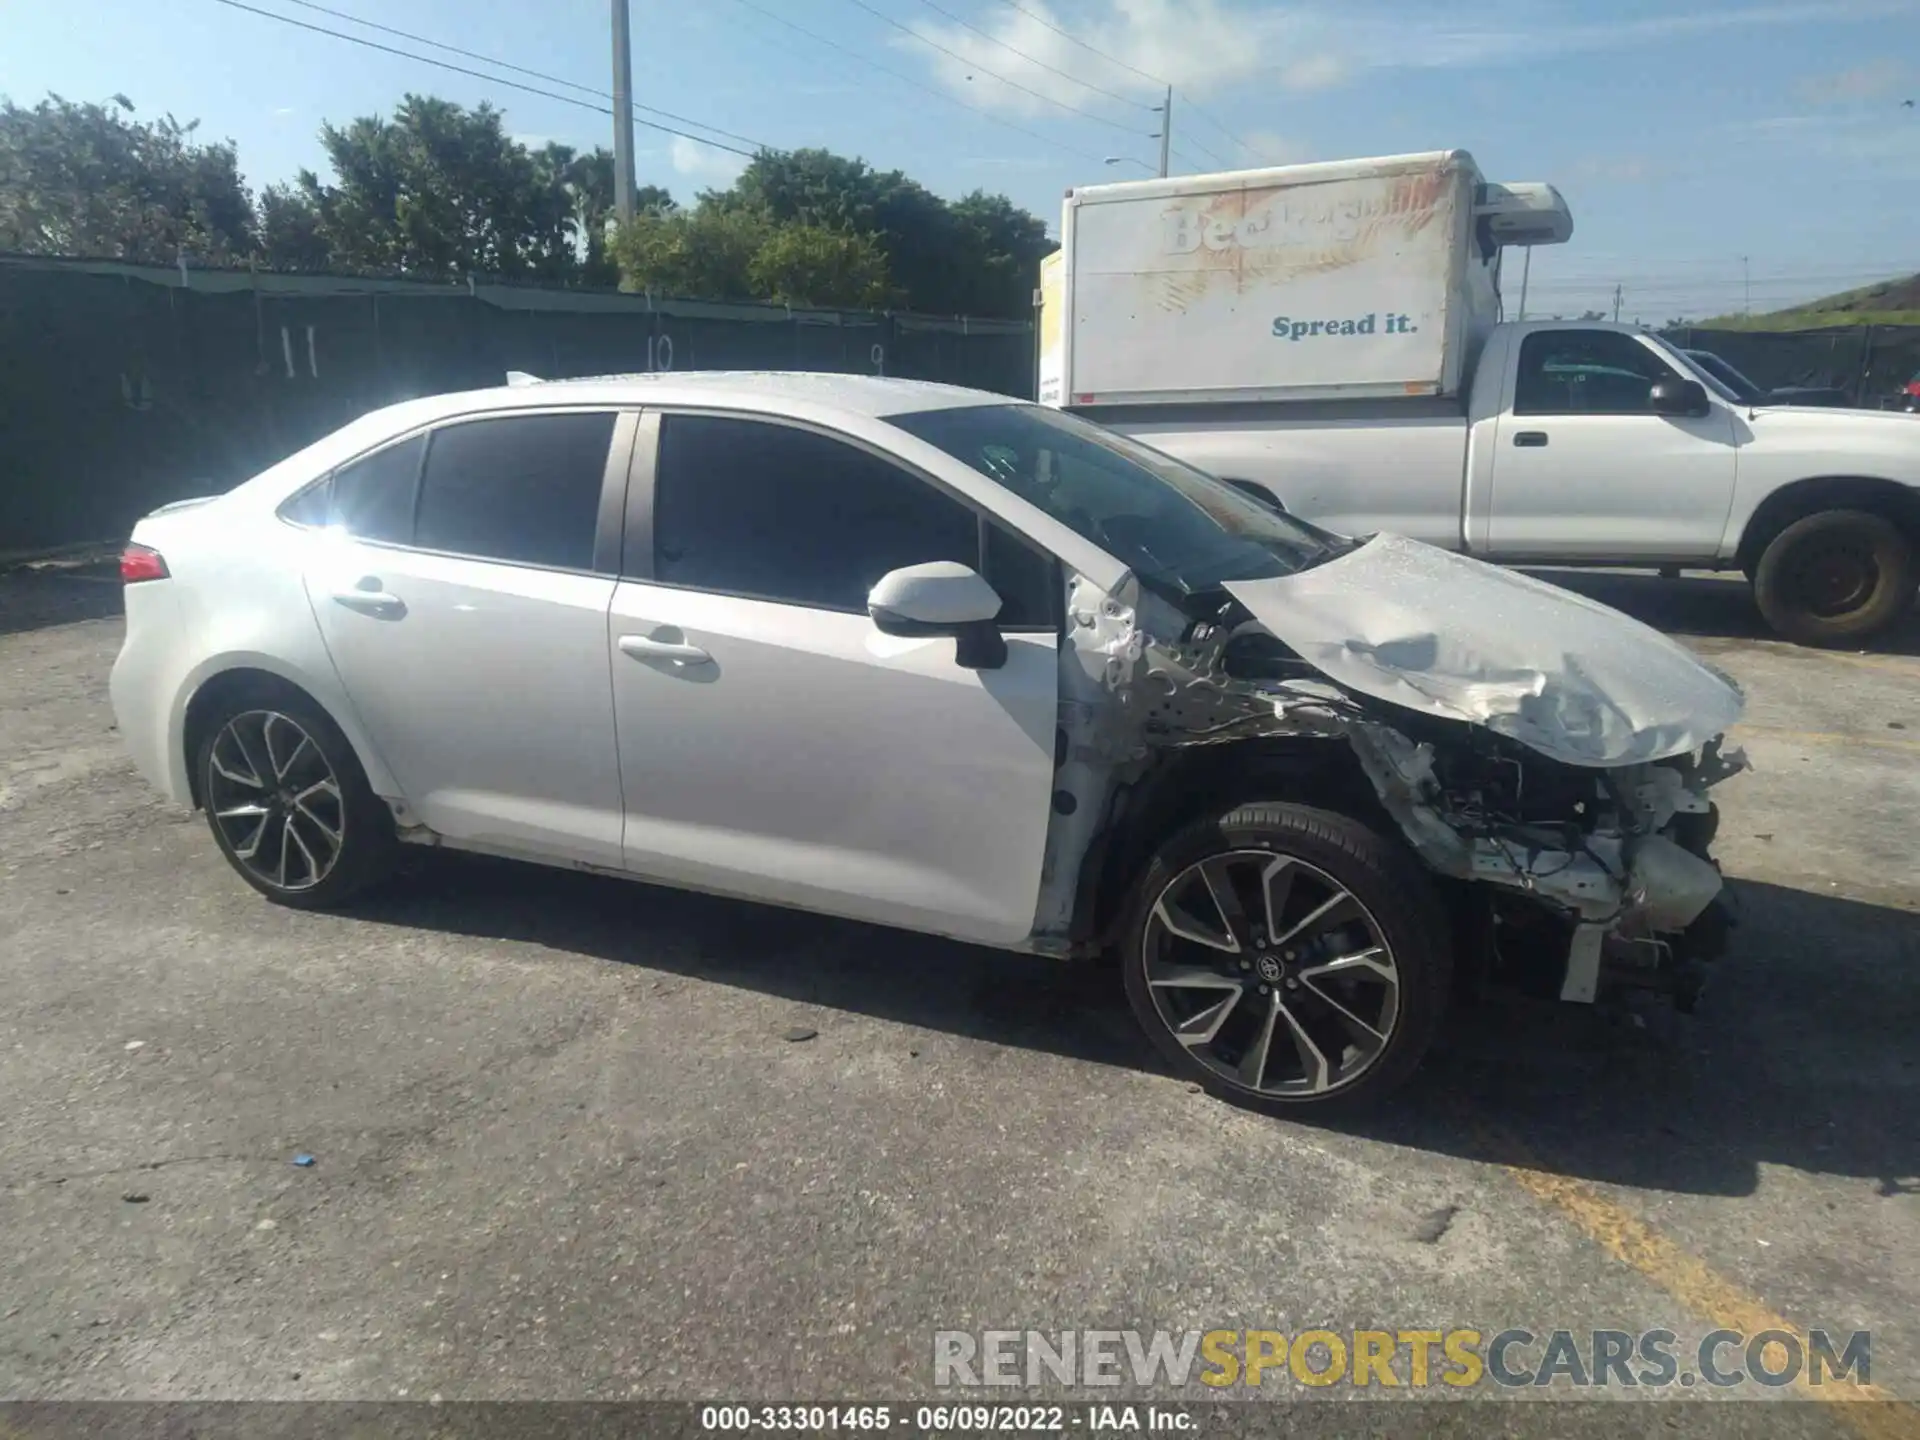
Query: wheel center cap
[[1269, 968]]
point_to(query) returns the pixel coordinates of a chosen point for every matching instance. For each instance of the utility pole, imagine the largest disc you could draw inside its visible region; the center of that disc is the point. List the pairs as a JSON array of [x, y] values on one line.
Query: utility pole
[[1526, 274], [1616, 304], [1166, 130], [622, 115], [1746, 281]]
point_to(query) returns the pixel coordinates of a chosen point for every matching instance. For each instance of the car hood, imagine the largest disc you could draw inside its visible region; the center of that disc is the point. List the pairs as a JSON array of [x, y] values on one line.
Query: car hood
[[1450, 636]]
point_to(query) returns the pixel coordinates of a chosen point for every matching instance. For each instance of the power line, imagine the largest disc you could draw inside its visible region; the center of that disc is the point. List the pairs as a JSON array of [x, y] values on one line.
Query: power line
[[932, 90], [1188, 101], [1033, 59], [1211, 155], [956, 55], [1072, 38], [517, 69], [493, 79], [1040, 19]]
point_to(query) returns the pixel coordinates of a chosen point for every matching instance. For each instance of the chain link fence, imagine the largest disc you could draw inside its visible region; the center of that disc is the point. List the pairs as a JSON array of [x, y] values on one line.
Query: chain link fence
[[125, 386]]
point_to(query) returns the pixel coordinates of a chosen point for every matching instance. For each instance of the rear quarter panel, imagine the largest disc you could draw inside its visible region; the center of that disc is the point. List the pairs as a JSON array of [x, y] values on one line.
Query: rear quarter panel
[[236, 599]]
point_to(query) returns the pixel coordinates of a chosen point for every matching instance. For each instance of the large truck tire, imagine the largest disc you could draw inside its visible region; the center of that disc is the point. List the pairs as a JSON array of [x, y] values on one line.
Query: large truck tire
[[1836, 577]]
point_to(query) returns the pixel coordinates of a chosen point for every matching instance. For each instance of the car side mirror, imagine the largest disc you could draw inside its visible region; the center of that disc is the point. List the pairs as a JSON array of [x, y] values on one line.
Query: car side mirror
[[942, 597], [1679, 397]]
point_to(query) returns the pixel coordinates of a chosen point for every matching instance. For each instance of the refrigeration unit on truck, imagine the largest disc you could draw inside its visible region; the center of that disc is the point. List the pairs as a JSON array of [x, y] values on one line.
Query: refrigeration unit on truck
[[1330, 337]]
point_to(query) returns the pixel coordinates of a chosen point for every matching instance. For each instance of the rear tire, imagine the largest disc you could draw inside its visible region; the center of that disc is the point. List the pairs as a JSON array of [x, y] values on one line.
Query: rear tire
[[1836, 577], [288, 803], [1339, 1035]]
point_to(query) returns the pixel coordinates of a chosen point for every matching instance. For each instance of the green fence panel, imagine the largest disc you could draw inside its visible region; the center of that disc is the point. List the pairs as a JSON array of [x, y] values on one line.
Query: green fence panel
[[123, 386]]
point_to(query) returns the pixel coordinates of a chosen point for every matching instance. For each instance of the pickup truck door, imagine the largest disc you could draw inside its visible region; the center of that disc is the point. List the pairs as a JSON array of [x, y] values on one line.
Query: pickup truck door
[[1584, 470]]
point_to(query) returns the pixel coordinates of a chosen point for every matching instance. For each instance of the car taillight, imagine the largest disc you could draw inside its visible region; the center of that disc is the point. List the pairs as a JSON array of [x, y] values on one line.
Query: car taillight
[[138, 562]]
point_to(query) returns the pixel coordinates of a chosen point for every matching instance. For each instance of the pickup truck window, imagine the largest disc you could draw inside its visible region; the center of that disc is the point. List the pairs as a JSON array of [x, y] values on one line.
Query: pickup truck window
[[1586, 372], [1179, 529]]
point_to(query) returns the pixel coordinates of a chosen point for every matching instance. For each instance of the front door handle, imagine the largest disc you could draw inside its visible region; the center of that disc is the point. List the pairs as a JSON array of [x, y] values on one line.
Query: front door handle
[[1533, 439], [368, 598], [643, 647]]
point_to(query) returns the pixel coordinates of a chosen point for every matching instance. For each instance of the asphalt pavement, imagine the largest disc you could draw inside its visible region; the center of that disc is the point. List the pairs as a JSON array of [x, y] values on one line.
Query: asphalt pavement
[[564, 1148]]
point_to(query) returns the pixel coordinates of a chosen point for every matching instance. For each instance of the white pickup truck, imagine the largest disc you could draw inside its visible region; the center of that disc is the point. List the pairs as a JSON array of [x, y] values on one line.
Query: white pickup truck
[[1329, 336]]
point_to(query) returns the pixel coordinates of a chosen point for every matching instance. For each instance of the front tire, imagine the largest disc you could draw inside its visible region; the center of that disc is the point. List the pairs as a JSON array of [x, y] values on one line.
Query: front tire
[[1287, 959], [1835, 577], [288, 803]]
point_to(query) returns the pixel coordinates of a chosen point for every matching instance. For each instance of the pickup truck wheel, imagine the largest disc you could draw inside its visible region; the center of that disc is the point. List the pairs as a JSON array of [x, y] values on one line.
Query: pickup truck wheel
[[1287, 959], [1835, 577]]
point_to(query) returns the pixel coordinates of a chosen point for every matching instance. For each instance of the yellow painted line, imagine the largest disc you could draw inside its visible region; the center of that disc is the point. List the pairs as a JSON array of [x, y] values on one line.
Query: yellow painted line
[[1871, 1411], [1825, 737]]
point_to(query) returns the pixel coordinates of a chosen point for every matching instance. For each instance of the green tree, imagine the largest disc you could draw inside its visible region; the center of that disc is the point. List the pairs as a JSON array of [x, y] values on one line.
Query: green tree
[[720, 250], [1002, 247], [86, 179], [438, 191], [979, 255], [290, 232], [586, 183], [813, 265], [700, 254]]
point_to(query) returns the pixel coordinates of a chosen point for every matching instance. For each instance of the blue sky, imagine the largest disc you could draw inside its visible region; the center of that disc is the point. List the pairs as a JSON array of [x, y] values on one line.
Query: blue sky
[[1684, 137]]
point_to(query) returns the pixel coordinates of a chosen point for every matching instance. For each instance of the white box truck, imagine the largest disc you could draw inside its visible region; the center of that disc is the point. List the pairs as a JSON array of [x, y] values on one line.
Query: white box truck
[[1330, 336]]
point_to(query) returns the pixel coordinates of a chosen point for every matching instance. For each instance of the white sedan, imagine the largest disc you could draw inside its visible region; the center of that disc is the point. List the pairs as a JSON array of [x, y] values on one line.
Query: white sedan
[[934, 659]]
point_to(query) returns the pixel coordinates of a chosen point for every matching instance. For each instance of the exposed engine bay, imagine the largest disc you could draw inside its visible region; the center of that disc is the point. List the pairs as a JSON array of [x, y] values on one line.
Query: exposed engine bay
[[1563, 785]]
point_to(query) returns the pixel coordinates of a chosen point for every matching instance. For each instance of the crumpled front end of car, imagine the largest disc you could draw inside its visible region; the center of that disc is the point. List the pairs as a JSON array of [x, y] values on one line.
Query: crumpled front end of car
[[1548, 757]]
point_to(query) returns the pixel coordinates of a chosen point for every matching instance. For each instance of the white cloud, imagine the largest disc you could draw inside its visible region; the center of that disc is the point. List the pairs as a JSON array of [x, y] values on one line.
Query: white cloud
[[1622, 168], [1009, 162], [1864, 82], [703, 164], [1195, 44], [1316, 72], [1268, 148], [1838, 138], [1203, 46]]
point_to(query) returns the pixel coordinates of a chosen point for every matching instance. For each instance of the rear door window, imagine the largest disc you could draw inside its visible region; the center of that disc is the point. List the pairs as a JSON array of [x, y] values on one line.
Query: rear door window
[[519, 488], [372, 498]]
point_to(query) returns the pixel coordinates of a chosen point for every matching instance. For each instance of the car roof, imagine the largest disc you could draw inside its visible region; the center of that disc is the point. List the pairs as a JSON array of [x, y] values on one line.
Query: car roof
[[775, 391], [850, 402]]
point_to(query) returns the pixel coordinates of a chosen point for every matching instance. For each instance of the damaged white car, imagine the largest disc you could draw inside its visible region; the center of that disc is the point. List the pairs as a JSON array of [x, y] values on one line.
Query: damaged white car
[[929, 658]]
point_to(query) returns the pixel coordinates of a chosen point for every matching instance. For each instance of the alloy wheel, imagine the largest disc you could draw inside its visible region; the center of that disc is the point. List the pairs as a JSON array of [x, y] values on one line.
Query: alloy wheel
[[1271, 974], [276, 800]]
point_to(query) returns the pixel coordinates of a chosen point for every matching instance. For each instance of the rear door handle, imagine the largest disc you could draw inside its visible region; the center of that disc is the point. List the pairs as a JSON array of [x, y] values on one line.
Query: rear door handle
[[1533, 439], [368, 598], [642, 647]]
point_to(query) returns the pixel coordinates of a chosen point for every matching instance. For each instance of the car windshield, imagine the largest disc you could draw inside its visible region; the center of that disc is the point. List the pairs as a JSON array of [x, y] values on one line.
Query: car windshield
[[1179, 529]]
